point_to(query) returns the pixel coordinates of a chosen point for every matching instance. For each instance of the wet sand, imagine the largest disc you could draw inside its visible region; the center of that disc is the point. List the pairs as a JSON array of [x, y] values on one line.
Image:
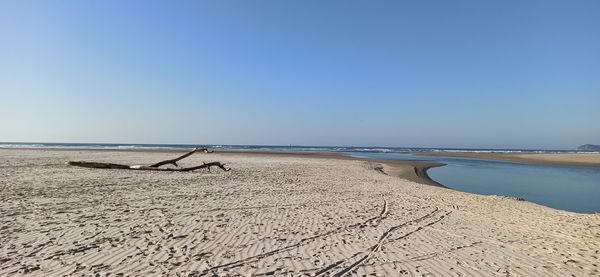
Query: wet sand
[[271, 215], [569, 159], [415, 171]]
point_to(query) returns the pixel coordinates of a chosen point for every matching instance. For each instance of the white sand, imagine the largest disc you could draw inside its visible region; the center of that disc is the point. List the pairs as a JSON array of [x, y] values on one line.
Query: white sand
[[582, 158], [571, 159], [270, 216]]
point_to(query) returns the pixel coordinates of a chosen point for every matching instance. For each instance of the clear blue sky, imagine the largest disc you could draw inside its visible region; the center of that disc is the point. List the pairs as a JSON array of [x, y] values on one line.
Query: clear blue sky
[[372, 73]]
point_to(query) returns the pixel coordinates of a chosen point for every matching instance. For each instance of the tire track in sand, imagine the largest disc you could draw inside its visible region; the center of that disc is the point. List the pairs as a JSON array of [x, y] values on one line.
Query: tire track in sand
[[382, 239], [373, 220]]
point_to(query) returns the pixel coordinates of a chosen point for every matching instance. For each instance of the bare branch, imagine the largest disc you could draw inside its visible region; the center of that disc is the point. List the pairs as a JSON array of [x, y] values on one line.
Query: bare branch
[[174, 161], [156, 166], [99, 165]]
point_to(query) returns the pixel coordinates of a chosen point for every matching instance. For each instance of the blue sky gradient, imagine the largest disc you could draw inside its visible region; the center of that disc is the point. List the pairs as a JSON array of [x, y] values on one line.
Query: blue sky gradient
[[499, 74]]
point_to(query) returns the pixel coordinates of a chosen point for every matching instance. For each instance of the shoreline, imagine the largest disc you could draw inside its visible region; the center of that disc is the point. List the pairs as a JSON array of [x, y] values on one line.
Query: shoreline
[[561, 159], [415, 171], [564, 159], [411, 170]]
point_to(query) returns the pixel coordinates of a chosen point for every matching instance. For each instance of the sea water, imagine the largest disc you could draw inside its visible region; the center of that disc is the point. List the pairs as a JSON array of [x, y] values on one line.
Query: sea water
[[570, 188]]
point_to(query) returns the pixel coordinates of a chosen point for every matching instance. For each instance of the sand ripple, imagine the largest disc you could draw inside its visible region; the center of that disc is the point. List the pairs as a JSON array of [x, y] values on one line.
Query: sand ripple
[[270, 216]]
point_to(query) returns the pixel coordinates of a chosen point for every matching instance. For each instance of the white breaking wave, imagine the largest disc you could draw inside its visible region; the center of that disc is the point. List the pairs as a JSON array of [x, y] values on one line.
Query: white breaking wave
[[21, 146]]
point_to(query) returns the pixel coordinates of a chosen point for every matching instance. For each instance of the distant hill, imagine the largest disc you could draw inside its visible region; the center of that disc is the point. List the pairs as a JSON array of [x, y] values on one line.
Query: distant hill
[[589, 147]]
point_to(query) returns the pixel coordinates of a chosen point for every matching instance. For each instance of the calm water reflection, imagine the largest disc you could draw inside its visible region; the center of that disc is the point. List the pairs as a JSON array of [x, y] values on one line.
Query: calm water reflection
[[562, 187]]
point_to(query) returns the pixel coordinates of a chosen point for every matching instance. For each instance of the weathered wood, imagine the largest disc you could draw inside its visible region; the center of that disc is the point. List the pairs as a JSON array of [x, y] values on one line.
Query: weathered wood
[[174, 161], [145, 167], [183, 169], [99, 165], [156, 166]]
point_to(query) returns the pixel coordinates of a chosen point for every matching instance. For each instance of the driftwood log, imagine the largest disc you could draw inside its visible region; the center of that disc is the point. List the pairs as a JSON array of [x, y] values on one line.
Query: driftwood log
[[156, 166]]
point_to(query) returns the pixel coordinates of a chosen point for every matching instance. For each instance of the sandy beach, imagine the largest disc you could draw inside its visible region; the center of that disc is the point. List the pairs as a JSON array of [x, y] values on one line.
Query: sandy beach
[[271, 215], [570, 159]]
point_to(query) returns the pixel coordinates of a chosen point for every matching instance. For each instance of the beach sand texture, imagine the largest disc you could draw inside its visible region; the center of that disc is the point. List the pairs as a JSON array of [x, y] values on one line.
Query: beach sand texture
[[569, 159], [271, 215]]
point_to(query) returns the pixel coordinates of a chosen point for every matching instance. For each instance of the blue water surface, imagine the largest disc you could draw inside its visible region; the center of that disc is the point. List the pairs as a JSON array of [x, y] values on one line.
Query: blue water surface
[[570, 188]]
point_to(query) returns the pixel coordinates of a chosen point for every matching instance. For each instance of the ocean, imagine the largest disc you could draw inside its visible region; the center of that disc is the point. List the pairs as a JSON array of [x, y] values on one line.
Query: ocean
[[293, 148]]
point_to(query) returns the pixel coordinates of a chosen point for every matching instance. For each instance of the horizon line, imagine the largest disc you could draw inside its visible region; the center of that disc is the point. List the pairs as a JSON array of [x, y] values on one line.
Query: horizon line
[[282, 145]]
